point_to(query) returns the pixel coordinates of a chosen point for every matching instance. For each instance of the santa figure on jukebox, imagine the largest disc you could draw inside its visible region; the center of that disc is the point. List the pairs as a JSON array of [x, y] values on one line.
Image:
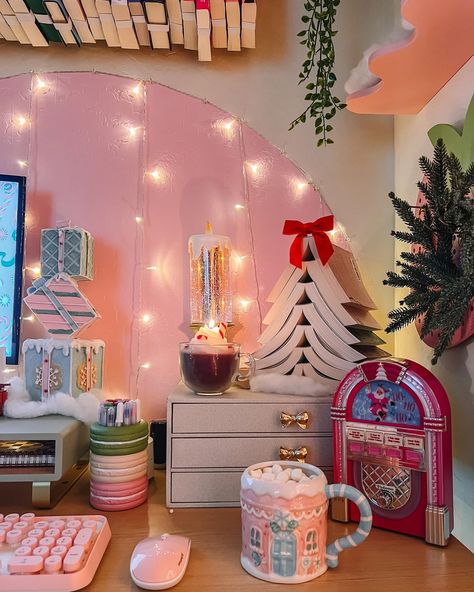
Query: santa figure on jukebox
[[379, 403]]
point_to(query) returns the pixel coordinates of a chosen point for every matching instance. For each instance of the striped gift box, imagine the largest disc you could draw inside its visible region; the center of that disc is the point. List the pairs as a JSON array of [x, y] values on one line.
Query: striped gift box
[[60, 306]]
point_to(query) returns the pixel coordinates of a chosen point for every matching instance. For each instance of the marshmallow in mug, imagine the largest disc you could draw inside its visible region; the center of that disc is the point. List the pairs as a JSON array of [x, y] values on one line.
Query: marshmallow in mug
[[270, 479]]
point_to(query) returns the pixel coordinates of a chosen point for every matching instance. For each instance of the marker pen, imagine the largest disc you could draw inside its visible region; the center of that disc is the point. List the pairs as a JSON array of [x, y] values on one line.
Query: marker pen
[[119, 414]]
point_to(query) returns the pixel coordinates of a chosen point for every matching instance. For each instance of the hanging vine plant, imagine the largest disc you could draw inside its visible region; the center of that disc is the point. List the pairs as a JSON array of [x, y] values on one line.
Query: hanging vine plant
[[317, 71]]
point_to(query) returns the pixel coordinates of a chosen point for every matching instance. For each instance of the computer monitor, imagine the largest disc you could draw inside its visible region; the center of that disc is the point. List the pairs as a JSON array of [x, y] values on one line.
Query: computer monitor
[[12, 225]]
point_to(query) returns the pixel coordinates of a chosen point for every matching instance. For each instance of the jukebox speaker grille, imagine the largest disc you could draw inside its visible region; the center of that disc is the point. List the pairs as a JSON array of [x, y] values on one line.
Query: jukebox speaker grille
[[389, 488]]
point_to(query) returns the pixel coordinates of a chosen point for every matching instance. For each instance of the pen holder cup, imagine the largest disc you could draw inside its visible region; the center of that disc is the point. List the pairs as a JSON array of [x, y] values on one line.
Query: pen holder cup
[[118, 466]]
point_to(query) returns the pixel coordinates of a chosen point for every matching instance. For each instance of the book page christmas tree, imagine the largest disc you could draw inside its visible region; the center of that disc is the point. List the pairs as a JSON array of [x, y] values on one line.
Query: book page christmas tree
[[319, 324]]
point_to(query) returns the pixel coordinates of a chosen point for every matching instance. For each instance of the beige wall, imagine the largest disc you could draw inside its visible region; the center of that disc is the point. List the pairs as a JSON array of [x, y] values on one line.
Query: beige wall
[[354, 175], [456, 367]]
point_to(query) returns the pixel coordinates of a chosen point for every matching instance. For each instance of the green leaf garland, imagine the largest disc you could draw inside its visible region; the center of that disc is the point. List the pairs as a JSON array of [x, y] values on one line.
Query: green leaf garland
[[317, 71]]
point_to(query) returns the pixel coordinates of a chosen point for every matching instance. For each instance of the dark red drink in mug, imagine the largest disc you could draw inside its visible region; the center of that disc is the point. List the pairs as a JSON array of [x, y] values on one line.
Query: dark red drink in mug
[[209, 369]]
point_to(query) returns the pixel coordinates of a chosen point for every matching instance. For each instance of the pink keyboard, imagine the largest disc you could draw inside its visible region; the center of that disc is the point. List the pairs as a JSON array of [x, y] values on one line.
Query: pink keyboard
[[50, 553]]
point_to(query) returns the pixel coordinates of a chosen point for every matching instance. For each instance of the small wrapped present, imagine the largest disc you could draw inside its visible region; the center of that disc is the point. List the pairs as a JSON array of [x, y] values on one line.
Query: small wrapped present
[[68, 250], [71, 366], [59, 305]]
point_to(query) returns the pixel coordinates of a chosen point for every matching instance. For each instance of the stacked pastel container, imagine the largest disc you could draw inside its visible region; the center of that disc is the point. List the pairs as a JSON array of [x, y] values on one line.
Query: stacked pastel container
[[118, 466]]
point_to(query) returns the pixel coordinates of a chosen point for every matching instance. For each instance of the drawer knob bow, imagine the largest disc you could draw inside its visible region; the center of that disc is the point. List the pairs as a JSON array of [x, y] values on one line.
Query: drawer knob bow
[[298, 454], [300, 419]]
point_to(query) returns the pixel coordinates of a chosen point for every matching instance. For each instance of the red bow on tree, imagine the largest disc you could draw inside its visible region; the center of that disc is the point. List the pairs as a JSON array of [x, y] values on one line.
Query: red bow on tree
[[318, 230]]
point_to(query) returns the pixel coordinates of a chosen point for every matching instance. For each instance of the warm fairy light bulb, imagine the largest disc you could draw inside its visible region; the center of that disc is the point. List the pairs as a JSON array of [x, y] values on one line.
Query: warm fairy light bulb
[[22, 163], [157, 174], [212, 324], [152, 267], [40, 84], [132, 131], [245, 304], [138, 219], [226, 127], [35, 270], [239, 207], [254, 167], [146, 365], [29, 318], [21, 120], [137, 89], [146, 318], [238, 259]]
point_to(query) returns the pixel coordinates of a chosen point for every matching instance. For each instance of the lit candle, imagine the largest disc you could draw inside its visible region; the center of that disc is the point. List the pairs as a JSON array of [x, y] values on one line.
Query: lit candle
[[211, 295]]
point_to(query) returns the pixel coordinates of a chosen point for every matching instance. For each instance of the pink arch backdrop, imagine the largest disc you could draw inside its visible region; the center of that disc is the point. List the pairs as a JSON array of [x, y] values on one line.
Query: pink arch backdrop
[[142, 167]]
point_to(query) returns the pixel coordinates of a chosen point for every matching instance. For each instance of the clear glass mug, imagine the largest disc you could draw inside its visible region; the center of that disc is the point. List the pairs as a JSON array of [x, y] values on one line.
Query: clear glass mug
[[211, 369]]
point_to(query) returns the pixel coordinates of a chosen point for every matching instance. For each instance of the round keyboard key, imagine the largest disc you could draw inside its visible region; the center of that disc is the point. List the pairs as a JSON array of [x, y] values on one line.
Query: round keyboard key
[[90, 524], [57, 524], [69, 532], [53, 564], [36, 532], [74, 524], [13, 518], [23, 551], [28, 517], [30, 542], [43, 524], [65, 540], [53, 532], [48, 542], [25, 565], [6, 526], [41, 551], [14, 536], [23, 526], [60, 550]]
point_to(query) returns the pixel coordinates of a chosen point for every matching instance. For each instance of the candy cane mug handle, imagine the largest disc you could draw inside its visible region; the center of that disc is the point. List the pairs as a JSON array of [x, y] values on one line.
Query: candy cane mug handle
[[365, 522]]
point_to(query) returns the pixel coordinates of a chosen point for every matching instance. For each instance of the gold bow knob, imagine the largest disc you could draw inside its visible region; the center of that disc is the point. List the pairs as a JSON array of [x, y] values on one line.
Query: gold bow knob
[[300, 419], [298, 454]]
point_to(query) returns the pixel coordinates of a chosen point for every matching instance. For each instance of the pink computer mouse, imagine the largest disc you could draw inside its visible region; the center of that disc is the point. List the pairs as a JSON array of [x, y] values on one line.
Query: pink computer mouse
[[159, 562]]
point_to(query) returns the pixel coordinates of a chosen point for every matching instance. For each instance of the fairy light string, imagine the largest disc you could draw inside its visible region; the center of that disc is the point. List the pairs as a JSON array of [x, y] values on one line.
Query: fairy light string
[[43, 87]]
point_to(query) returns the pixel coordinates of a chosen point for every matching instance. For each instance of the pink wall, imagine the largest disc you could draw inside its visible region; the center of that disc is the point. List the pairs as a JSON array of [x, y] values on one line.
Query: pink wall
[[85, 167]]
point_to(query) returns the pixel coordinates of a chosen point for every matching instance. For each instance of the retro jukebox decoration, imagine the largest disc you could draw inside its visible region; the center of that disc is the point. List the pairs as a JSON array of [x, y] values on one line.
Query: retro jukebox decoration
[[392, 440]]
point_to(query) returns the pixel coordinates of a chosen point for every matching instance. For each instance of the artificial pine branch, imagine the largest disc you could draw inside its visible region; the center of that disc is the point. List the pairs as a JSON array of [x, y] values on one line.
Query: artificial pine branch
[[441, 281]]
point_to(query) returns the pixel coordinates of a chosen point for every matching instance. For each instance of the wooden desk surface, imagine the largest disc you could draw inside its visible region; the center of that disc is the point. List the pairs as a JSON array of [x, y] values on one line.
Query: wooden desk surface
[[386, 561]]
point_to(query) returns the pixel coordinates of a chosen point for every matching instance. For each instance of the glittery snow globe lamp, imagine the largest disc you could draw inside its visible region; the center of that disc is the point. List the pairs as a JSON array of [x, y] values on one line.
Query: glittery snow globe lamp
[[209, 363], [211, 294]]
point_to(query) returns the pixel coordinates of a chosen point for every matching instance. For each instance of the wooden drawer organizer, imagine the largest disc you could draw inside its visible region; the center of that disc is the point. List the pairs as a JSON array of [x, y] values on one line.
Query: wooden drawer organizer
[[211, 440]]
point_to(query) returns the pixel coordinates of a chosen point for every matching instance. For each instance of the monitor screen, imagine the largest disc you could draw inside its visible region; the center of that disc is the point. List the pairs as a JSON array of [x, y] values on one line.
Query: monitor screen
[[12, 222]]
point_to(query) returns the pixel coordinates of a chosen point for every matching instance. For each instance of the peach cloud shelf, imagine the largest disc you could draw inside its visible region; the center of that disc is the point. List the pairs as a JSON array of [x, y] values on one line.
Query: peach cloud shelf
[[198, 25], [410, 72]]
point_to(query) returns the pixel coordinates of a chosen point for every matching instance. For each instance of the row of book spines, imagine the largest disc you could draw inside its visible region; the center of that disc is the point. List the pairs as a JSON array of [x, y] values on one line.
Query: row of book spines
[[193, 23]]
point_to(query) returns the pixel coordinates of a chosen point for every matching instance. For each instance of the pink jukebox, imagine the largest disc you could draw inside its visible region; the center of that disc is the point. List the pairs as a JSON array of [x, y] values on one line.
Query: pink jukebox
[[392, 440]]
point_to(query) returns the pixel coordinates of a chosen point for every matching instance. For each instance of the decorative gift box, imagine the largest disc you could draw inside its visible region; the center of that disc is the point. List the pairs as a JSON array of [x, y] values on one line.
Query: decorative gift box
[[60, 306], [71, 366], [68, 250]]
